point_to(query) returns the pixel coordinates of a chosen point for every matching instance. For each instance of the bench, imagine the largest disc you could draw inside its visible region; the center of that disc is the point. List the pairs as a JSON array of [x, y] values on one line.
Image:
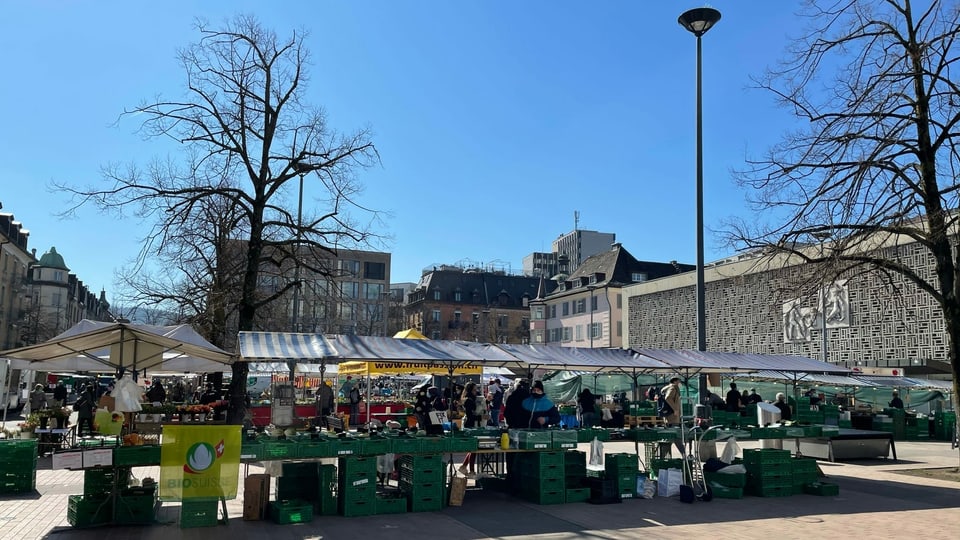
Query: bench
[[335, 423]]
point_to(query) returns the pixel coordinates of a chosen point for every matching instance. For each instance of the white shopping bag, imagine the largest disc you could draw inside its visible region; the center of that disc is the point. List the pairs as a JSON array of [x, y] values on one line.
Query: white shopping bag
[[668, 482], [730, 450], [596, 453]]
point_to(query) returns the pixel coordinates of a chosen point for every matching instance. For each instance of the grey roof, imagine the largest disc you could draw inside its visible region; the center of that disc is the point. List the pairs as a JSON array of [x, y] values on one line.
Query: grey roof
[[617, 266], [482, 288]]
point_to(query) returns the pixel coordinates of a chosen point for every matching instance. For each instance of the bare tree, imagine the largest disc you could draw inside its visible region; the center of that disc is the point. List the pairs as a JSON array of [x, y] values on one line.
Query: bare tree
[[247, 135], [877, 161]]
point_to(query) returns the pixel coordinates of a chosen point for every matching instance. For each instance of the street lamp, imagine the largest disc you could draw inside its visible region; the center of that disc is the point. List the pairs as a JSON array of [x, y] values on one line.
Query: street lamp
[[301, 169], [698, 21], [822, 237]]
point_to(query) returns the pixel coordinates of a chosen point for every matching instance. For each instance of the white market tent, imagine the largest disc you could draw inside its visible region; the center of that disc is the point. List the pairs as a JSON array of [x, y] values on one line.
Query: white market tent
[[114, 346]]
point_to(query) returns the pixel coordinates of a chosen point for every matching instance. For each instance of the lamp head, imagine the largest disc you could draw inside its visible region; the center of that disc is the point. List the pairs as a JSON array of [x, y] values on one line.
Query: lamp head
[[699, 20]]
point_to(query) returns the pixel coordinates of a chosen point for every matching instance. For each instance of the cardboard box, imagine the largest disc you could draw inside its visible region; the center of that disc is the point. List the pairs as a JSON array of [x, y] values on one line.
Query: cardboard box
[[256, 496]]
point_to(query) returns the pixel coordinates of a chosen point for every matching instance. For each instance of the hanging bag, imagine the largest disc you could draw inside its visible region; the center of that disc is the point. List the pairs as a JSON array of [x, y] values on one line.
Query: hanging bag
[[596, 453]]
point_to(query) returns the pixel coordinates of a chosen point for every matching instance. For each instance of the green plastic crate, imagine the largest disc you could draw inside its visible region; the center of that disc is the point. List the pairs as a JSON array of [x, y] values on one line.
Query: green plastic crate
[[735, 480], [564, 438], [280, 449], [546, 497], [293, 511], [622, 462], [774, 469], [540, 459], [463, 444], [721, 491], [315, 448], [419, 475], [643, 435], [423, 489], [577, 495], [405, 445], [198, 513], [251, 451], [390, 505], [765, 455], [432, 461], [87, 511], [345, 446], [434, 445], [101, 481], [136, 455], [425, 503], [540, 483], [532, 469], [135, 509], [358, 507], [353, 467], [375, 446], [771, 491]]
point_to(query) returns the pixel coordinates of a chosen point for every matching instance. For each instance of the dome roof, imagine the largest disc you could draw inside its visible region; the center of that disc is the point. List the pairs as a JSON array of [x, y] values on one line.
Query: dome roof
[[52, 259]]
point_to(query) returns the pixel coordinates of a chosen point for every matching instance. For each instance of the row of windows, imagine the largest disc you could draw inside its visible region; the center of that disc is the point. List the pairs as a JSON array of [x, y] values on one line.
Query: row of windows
[[567, 333], [503, 321], [574, 307]]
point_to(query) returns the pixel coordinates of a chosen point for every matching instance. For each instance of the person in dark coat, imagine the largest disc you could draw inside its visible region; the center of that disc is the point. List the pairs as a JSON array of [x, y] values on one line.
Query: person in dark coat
[[157, 393], [733, 398], [513, 412], [781, 403], [209, 395], [60, 394], [896, 402], [539, 409], [85, 405], [588, 407]]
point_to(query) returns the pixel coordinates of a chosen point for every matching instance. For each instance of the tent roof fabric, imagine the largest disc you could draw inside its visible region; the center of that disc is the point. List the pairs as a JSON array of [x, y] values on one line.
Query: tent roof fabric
[[412, 333], [806, 378], [267, 346], [96, 346], [904, 382], [721, 362]]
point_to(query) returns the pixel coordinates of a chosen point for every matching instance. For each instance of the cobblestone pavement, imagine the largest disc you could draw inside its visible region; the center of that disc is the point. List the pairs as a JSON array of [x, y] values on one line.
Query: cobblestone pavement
[[874, 500]]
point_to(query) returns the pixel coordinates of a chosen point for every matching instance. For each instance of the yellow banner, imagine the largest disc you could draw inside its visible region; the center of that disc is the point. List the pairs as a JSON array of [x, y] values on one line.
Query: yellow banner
[[199, 462], [404, 368]]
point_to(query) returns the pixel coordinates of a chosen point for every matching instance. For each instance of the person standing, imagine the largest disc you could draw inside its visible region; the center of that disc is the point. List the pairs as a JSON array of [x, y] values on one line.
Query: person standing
[[495, 394], [157, 393], [85, 406], [38, 399], [733, 398], [515, 416], [671, 395], [540, 410], [60, 394], [588, 408], [474, 407], [896, 402], [325, 402]]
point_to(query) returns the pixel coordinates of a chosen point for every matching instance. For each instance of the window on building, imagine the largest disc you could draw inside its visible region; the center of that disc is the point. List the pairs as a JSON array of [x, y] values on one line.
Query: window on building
[[457, 296], [374, 270], [553, 335], [553, 311], [524, 322], [579, 332], [538, 337], [436, 315], [476, 318], [435, 335], [58, 275], [372, 291], [567, 333], [55, 299], [593, 279], [348, 311], [350, 268], [456, 316], [581, 306], [437, 295], [619, 328], [619, 302], [503, 321], [566, 308], [538, 313], [638, 276], [596, 330]]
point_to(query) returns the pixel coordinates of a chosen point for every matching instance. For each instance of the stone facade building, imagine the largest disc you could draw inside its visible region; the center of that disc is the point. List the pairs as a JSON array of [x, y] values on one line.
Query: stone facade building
[[764, 305]]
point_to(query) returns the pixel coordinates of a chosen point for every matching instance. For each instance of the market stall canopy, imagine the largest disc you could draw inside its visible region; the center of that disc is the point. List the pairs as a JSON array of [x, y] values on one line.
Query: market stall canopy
[[101, 346], [904, 382], [413, 351], [573, 358], [412, 333], [257, 368], [805, 378], [285, 346], [727, 362]]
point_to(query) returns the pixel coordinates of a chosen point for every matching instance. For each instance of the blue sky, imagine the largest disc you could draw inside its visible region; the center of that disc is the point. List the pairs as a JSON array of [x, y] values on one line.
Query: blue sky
[[495, 120]]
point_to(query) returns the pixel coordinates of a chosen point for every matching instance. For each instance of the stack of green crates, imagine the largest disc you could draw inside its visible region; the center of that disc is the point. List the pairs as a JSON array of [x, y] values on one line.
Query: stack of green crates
[[542, 476], [105, 480], [622, 469], [945, 425], [831, 414], [19, 458], [357, 486], [804, 472], [137, 455], [326, 503], [769, 472], [422, 479], [89, 511], [805, 415], [574, 471]]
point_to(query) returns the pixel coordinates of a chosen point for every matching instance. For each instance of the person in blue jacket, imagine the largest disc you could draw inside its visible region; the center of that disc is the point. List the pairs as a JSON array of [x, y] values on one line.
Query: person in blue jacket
[[540, 411]]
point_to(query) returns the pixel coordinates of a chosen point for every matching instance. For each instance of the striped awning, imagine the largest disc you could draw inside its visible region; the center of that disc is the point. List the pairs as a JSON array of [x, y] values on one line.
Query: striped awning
[[274, 346]]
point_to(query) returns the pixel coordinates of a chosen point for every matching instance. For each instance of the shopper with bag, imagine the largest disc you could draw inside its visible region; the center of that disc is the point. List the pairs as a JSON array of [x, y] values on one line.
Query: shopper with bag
[[671, 397]]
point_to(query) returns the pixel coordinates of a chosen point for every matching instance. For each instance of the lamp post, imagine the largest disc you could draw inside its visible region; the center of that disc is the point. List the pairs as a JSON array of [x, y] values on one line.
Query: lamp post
[[302, 169], [821, 237], [698, 21]]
